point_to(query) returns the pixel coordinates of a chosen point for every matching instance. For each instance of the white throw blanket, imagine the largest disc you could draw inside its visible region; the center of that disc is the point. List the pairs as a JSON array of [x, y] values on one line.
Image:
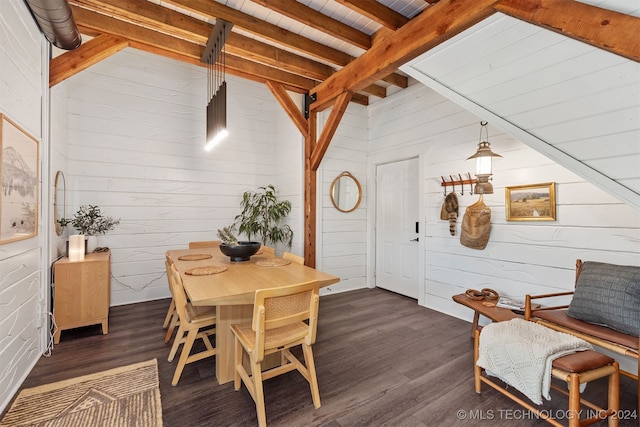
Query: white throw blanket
[[520, 353]]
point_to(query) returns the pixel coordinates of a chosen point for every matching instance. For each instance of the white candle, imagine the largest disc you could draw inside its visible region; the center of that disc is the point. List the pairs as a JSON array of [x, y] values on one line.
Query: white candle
[[76, 247]]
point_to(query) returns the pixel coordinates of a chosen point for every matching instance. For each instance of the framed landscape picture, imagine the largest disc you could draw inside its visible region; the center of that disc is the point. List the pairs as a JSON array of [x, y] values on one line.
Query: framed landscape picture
[[535, 202], [19, 160]]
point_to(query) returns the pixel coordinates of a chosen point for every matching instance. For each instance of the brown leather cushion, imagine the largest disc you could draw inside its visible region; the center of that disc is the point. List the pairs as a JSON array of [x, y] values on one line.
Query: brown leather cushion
[[582, 361], [560, 317]]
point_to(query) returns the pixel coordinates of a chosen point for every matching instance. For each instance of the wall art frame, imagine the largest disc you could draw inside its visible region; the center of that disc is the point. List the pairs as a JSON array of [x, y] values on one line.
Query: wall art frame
[[20, 167], [532, 202]]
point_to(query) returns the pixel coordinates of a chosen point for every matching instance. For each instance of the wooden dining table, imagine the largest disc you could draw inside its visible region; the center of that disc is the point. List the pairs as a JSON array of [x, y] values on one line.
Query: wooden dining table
[[232, 291]]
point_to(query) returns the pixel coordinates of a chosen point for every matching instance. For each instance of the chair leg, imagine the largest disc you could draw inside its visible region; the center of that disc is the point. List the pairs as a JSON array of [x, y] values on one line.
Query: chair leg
[[574, 400], [170, 312], [184, 355], [256, 377], [237, 365], [172, 326], [614, 396], [477, 371], [176, 343], [311, 372]]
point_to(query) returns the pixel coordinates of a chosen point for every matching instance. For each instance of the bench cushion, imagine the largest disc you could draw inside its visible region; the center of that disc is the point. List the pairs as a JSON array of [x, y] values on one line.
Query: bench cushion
[[608, 294], [559, 317], [582, 361]]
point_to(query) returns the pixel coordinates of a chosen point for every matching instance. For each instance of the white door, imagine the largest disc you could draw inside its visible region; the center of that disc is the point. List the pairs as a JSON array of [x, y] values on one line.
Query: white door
[[397, 253]]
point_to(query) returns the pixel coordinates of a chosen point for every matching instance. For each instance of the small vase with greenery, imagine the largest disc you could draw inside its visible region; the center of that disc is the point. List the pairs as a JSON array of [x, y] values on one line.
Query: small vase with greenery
[[89, 220], [262, 215]]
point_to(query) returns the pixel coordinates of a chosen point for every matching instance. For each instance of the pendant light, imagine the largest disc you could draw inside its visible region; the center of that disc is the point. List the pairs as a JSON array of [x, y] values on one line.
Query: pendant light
[[214, 57]]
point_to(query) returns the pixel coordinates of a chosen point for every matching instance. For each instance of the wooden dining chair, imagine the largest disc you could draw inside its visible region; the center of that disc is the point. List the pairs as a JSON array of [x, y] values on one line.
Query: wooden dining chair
[[293, 258], [280, 317], [194, 322], [171, 319], [204, 244], [268, 251]]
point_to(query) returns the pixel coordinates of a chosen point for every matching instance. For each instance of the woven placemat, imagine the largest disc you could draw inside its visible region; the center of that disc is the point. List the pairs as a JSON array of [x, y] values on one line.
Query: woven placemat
[[206, 270], [273, 262], [194, 257]]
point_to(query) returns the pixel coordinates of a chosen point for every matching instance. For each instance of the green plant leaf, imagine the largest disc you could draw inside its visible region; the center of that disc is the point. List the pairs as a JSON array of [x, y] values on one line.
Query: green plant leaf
[[262, 215]]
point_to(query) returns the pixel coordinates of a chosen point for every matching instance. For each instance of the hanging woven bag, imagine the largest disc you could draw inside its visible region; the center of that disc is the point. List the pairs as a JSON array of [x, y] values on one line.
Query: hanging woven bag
[[476, 226]]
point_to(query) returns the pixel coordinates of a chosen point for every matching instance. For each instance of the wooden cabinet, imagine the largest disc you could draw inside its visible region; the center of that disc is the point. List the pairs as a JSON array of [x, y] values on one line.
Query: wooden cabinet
[[81, 292]]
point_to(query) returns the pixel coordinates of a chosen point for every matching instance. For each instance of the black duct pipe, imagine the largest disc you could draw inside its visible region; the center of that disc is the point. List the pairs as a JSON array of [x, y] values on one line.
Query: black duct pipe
[[55, 20]]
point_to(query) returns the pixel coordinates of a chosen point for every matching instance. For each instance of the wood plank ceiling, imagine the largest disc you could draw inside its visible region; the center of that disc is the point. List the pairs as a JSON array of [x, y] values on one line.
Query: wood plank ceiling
[[300, 44], [296, 44]]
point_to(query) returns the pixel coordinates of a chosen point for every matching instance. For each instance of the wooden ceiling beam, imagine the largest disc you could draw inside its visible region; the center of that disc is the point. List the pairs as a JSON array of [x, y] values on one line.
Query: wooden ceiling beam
[[236, 71], [264, 53], [233, 62], [150, 15], [196, 61], [378, 12], [182, 48], [95, 50], [214, 10], [321, 22], [395, 79], [163, 20], [166, 21], [603, 28], [107, 25], [432, 27]]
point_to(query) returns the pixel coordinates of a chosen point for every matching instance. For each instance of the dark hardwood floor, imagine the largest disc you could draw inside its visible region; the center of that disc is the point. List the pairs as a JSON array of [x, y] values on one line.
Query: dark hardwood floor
[[381, 359]]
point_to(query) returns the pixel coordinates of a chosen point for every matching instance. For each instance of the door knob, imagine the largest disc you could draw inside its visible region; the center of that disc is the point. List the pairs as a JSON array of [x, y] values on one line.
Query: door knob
[[417, 239]]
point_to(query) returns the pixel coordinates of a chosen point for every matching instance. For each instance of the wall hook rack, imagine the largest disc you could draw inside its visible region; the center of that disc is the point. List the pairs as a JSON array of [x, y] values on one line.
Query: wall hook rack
[[460, 181]]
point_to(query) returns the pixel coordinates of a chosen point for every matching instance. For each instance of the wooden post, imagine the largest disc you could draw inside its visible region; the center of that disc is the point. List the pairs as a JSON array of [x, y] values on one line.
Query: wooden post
[[310, 193]]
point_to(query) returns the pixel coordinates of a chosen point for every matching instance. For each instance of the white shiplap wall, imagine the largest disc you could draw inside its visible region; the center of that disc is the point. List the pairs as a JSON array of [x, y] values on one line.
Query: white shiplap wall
[[521, 257], [21, 271], [289, 179], [59, 161], [136, 138], [342, 237]]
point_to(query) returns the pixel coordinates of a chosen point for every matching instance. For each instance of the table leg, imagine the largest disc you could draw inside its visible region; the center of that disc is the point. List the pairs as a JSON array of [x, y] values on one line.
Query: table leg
[[228, 315], [474, 325]]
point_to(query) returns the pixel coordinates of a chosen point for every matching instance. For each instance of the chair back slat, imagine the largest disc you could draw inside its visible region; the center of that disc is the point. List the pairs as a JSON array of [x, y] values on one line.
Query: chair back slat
[[283, 318], [179, 296], [293, 258], [268, 250], [278, 307], [204, 244]]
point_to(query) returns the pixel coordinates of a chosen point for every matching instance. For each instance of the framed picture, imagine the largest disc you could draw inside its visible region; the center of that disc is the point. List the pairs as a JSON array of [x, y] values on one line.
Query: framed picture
[[536, 202], [19, 163]]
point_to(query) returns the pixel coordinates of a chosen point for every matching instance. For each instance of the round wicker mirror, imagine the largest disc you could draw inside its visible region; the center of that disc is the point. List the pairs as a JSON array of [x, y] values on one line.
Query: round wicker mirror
[[346, 192], [59, 201]]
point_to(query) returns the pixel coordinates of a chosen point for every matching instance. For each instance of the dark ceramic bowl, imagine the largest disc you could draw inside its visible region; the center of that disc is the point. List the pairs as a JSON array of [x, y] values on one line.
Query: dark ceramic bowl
[[240, 252]]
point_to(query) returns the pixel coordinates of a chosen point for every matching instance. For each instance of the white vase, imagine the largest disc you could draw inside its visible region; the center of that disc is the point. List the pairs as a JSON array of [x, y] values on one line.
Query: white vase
[[92, 243]]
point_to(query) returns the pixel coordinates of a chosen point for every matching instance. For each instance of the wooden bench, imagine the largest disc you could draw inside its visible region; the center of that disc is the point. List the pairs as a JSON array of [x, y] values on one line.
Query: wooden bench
[[575, 369], [556, 317]]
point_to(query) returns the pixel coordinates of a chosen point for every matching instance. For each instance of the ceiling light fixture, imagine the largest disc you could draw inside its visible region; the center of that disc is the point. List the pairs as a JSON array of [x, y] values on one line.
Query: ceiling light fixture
[[483, 163], [214, 57]]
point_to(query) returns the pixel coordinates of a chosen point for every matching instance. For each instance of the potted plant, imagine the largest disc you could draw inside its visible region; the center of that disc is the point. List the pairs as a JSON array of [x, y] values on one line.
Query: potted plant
[[262, 214], [235, 250], [90, 221]]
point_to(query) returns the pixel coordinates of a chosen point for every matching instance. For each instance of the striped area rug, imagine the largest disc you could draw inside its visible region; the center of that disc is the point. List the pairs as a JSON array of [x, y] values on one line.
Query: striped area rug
[[120, 397]]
